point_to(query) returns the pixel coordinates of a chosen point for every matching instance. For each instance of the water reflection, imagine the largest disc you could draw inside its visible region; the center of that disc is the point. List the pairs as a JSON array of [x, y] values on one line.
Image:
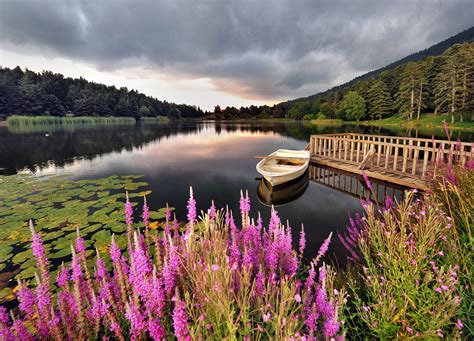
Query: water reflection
[[354, 185], [282, 194], [215, 158], [32, 150]]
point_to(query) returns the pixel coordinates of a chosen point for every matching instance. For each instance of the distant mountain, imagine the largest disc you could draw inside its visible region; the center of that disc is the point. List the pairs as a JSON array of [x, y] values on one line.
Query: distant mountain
[[435, 50]]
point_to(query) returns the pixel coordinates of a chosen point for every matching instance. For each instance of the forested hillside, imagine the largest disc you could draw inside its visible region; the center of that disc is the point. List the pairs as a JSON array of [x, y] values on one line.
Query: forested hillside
[[436, 84], [436, 80], [435, 50], [47, 93]]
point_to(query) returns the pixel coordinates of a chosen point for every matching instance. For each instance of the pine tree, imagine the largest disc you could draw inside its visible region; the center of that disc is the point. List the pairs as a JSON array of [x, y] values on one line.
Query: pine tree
[[433, 65], [467, 75], [379, 100], [452, 90], [411, 88]]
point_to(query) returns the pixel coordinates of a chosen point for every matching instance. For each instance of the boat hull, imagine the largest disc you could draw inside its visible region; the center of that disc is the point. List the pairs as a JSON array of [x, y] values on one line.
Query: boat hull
[[277, 174]]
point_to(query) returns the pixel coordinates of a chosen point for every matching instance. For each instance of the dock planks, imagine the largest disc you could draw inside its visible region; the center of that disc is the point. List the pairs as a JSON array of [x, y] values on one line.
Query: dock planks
[[402, 161]]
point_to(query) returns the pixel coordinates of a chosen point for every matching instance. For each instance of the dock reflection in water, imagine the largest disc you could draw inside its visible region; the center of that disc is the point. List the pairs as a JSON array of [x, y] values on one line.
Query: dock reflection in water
[[341, 181], [355, 185]]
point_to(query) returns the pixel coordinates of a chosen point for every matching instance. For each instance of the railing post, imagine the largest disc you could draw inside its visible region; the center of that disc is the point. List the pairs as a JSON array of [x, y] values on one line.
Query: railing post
[[405, 157]]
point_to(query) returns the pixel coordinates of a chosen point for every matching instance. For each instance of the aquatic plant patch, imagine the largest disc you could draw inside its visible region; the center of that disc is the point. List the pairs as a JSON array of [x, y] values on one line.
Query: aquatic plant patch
[[59, 206]]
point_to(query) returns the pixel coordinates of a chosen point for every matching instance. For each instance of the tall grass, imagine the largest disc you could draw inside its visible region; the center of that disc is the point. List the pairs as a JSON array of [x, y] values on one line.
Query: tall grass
[[209, 280], [27, 121], [454, 189], [404, 280]]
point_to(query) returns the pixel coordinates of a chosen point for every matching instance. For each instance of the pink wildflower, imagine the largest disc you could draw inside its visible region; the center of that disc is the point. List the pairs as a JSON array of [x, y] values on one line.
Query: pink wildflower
[[302, 241], [367, 181], [146, 212], [298, 298], [191, 208], [26, 299], [128, 212], [180, 318]]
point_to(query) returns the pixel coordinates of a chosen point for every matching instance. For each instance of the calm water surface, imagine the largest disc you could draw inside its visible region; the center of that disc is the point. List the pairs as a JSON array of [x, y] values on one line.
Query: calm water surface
[[216, 159]]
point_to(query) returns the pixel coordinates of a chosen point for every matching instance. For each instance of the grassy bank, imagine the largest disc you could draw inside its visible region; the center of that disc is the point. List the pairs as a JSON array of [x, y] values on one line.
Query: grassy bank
[[427, 121], [155, 119], [327, 122]]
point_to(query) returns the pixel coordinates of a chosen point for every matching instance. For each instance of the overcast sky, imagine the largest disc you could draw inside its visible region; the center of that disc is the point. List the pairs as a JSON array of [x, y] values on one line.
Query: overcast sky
[[226, 52]]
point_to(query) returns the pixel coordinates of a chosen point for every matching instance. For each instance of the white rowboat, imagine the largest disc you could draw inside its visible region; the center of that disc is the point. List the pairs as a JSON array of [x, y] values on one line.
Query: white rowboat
[[283, 165]]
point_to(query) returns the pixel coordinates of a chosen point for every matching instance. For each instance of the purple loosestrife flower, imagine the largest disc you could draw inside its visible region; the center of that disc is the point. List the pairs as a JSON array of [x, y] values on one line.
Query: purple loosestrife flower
[[26, 298], [259, 222], [141, 268], [367, 181], [212, 211], [180, 318], [136, 318], [309, 283], [5, 332], [446, 130], [43, 302], [274, 220], [259, 286], [191, 208], [20, 330], [389, 204], [323, 249], [63, 276], [330, 328], [128, 212], [76, 270], [146, 212], [242, 202], [42, 261], [302, 241], [170, 269], [80, 244], [156, 330], [156, 301]]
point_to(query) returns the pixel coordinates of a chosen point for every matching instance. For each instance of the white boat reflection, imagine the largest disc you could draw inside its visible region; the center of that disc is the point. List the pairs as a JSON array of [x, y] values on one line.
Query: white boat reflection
[[282, 194]]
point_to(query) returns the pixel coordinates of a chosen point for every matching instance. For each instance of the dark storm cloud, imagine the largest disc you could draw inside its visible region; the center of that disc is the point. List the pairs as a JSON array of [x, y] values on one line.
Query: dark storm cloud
[[258, 49]]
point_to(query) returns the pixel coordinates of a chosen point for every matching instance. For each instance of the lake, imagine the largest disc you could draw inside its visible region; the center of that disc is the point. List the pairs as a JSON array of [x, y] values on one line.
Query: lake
[[215, 158]]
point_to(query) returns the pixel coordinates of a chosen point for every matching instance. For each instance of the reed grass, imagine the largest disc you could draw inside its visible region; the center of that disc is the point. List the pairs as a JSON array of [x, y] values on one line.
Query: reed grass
[[28, 121]]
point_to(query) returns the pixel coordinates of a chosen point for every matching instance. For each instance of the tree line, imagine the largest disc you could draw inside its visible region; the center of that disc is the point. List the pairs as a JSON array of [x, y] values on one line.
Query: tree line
[[47, 93], [435, 84]]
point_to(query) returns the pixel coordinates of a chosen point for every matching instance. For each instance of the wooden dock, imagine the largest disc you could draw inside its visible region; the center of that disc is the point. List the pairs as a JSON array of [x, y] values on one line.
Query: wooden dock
[[403, 161]]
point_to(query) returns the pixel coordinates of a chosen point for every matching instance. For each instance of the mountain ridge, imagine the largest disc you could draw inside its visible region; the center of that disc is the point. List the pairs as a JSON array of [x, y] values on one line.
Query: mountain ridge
[[435, 50]]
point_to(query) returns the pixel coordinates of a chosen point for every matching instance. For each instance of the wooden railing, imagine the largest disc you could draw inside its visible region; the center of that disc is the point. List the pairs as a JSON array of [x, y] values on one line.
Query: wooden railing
[[405, 155]]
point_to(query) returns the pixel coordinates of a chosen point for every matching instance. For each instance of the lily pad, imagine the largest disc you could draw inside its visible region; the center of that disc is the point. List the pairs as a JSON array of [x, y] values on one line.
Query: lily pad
[[57, 207]]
